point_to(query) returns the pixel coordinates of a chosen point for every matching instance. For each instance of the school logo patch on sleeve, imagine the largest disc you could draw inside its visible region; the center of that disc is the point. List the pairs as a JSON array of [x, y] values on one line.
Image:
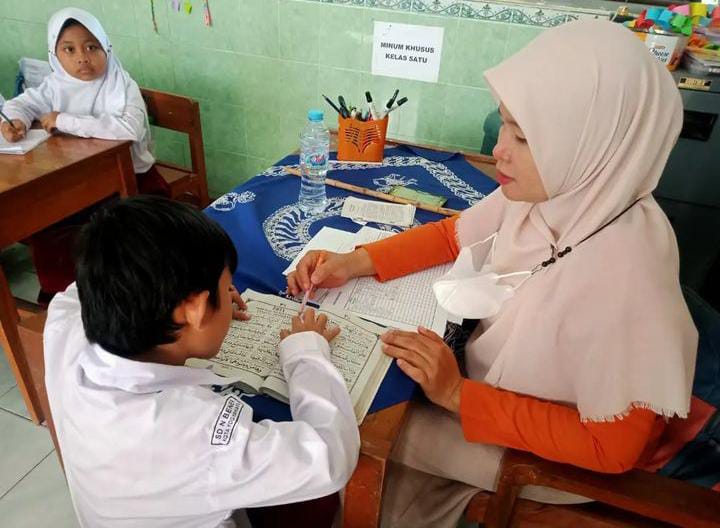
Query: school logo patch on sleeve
[[226, 421]]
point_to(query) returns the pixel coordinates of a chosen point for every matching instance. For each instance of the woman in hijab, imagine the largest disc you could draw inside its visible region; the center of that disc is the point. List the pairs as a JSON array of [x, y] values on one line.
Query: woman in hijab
[[88, 94], [584, 345]]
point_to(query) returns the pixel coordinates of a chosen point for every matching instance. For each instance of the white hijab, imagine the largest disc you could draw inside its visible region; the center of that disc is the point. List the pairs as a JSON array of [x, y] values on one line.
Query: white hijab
[[605, 328], [107, 94]]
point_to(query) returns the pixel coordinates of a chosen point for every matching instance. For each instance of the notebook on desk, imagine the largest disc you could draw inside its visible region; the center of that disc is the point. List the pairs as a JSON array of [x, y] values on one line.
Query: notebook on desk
[[33, 138]]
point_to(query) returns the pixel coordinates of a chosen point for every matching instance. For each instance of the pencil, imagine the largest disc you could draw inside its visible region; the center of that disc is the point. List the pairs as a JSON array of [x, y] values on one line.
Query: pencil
[[382, 196], [6, 118]]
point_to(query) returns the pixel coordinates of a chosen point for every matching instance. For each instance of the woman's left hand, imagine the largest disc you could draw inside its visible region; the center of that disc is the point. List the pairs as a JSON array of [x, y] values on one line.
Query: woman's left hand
[[427, 360], [239, 306]]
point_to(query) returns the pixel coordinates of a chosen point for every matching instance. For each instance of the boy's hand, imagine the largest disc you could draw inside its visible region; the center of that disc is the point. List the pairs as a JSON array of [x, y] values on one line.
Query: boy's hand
[[13, 134], [48, 121], [308, 323], [239, 306]]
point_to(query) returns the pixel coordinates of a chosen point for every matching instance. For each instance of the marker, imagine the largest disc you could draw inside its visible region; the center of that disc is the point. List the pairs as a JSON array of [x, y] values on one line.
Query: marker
[[341, 99], [332, 104], [398, 105], [6, 118], [389, 104], [373, 110]]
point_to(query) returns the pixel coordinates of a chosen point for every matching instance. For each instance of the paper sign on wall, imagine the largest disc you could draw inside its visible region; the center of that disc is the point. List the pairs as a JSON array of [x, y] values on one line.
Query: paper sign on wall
[[407, 51]]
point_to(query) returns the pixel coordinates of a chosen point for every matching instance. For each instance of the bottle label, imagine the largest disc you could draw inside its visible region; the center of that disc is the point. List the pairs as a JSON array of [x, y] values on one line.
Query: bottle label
[[316, 159]]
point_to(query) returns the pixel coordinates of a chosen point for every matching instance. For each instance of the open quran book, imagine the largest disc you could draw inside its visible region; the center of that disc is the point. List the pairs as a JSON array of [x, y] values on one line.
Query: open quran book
[[250, 351]]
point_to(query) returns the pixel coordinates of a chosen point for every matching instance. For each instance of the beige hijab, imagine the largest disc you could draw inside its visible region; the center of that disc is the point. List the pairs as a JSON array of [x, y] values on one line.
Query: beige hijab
[[605, 328]]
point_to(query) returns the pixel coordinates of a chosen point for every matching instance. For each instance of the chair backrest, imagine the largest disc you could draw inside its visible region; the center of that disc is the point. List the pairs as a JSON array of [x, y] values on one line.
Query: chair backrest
[[179, 113], [31, 74]]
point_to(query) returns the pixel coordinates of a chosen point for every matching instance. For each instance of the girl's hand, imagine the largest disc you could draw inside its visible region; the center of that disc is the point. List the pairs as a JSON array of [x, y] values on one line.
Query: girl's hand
[[428, 361], [48, 121], [13, 134]]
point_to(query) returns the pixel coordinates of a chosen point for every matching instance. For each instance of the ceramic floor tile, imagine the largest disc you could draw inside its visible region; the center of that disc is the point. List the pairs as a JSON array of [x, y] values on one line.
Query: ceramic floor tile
[[7, 380], [23, 445], [40, 499], [12, 401]]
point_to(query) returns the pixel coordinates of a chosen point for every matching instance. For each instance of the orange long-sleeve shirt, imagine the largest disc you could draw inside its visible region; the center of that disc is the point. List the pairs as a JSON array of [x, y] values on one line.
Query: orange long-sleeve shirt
[[495, 416]]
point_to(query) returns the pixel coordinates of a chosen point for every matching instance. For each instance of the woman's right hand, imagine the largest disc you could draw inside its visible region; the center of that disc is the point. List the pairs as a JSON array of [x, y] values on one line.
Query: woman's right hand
[[334, 270], [13, 134]]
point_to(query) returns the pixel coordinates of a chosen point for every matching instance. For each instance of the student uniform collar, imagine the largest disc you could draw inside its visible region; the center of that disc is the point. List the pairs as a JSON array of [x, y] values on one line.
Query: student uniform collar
[[108, 370]]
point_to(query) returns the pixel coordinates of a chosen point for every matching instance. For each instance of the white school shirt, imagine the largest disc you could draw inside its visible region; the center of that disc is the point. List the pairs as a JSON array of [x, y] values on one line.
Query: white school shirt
[[147, 445], [33, 103]]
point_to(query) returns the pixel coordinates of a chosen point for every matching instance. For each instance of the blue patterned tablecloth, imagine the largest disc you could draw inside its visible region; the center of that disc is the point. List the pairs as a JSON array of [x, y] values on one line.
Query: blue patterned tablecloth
[[268, 229]]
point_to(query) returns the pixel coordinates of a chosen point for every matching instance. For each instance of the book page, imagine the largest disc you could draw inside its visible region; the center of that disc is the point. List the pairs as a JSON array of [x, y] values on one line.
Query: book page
[[252, 347]]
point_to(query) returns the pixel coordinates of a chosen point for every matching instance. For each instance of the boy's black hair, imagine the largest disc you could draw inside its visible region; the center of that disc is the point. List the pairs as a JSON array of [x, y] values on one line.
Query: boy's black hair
[[137, 260]]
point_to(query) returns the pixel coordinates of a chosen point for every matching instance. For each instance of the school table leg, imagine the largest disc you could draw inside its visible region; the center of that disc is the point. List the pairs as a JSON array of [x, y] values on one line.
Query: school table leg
[[10, 340]]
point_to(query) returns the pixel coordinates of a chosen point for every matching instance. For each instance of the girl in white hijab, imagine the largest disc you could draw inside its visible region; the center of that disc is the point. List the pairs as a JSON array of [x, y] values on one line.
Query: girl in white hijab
[[88, 94], [586, 346]]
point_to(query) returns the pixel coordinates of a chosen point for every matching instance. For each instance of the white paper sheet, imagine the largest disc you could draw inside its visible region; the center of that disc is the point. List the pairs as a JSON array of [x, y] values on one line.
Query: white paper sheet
[[33, 138], [329, 239], [380, 212], [406, 302]]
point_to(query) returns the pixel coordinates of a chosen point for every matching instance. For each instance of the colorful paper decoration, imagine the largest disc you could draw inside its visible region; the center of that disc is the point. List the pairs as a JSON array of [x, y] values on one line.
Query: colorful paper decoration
[[698, 9]]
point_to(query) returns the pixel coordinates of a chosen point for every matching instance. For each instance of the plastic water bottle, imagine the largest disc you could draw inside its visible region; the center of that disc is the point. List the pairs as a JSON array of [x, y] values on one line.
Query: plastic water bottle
[[314, 155]]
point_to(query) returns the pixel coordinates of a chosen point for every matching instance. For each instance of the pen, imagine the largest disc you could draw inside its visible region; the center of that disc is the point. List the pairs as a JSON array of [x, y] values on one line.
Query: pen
[[6, 118], [308, 292], [373, 110], [332, 104]]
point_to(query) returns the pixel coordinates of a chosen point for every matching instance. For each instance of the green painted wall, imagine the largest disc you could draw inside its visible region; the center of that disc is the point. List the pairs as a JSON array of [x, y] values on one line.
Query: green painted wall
[[263, 63]]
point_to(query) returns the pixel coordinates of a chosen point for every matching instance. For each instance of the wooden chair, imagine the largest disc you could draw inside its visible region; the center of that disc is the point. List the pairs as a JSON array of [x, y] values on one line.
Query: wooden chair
[[628, 499], [182, 114], [642, 493]]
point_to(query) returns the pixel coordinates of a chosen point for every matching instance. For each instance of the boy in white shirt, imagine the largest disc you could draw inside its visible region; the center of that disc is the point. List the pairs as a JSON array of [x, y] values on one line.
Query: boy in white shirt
[[145, 441]]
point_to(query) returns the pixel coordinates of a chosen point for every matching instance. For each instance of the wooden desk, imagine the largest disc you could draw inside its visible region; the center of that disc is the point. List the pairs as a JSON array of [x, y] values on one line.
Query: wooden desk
[[57, 179]]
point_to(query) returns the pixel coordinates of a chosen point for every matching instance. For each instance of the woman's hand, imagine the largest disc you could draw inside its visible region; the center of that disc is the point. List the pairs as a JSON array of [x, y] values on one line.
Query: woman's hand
[[428, 361], [334, 270], [308, 323], [48, 121], [13, 134], [239, 306]]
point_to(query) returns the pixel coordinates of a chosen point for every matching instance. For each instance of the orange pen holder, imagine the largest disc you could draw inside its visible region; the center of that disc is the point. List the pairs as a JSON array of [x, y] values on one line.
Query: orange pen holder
[[361, 140]]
